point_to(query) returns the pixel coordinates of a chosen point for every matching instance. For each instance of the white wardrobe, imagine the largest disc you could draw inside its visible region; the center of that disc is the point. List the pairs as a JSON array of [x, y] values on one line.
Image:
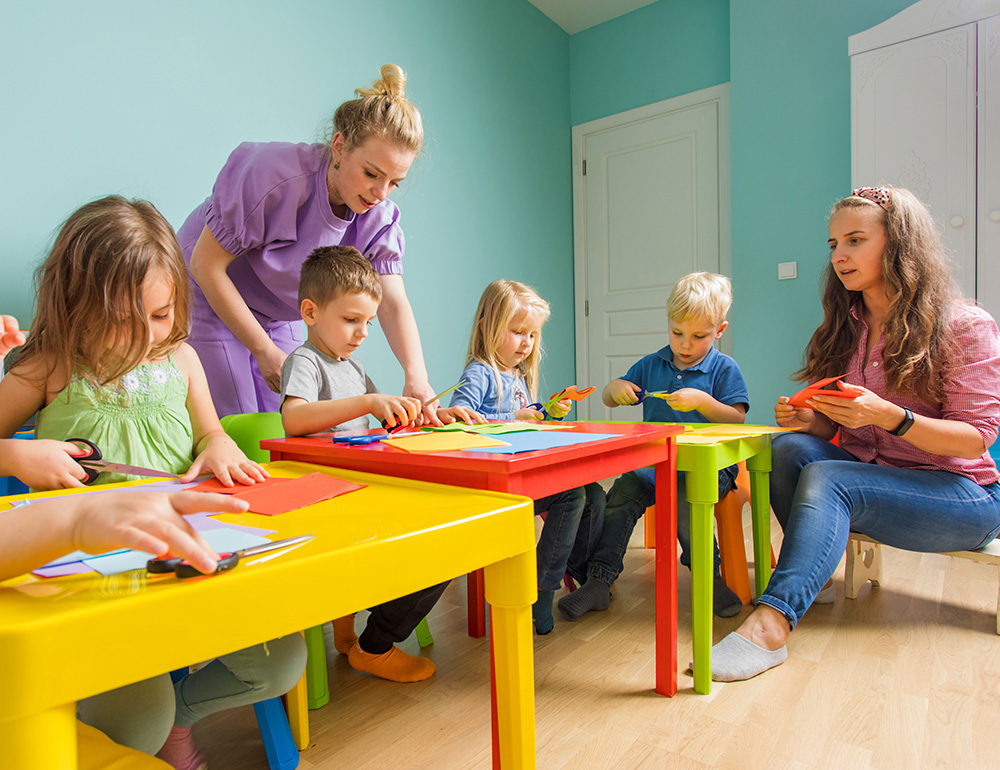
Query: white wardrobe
[[925, 110]]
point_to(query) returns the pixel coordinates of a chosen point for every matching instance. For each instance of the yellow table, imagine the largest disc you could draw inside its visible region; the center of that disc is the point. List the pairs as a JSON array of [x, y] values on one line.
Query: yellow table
[[69, 638], [702, 453]]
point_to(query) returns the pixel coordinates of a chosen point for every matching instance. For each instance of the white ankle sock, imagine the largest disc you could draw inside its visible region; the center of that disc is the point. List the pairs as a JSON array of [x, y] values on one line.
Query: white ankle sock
[[736, 658]]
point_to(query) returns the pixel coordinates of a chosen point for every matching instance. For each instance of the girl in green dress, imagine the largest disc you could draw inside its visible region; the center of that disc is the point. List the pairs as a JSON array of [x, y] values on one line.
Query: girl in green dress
[[106, 361]]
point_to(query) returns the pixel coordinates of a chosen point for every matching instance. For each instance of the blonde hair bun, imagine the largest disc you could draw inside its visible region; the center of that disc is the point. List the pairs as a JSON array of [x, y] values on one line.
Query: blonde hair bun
[[391, 84]]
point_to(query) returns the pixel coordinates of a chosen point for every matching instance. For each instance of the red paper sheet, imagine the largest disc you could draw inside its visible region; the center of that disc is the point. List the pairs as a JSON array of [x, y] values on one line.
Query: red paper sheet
[[272, 499], [214, 485], [817, 388]]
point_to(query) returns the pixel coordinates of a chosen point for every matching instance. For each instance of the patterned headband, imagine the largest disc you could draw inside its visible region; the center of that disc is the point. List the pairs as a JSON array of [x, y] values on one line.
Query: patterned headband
[[877, 195]]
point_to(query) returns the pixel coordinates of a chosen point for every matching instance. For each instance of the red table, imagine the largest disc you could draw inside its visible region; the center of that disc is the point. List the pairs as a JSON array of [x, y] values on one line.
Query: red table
[[535, 475]]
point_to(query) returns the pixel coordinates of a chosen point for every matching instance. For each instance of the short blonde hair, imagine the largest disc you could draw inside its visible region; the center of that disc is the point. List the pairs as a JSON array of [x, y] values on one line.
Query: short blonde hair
[[700, 295], [381, 111], [501, 303]]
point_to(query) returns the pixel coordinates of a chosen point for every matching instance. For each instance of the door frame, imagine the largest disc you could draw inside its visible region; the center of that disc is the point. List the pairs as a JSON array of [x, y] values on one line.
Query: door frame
[[717, 95]]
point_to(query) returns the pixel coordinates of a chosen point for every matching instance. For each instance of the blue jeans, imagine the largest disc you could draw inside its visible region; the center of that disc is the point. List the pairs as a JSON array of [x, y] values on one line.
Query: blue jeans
[[628, 499], [571, 531], [821, 493]]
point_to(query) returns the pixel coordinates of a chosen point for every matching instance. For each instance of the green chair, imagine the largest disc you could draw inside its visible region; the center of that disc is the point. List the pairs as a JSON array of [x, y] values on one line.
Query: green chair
[[248, 430]]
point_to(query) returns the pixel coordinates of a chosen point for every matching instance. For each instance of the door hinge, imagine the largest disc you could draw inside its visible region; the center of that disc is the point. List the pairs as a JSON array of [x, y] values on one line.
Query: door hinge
[[585, 167]]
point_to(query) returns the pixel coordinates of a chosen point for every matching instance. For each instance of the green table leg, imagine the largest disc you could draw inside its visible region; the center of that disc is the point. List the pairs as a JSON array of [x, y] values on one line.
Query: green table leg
[[702, 490], [759, 467]]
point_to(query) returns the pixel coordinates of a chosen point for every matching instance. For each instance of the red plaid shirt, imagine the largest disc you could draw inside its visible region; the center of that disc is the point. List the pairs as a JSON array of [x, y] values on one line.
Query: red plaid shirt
[[972, 396]]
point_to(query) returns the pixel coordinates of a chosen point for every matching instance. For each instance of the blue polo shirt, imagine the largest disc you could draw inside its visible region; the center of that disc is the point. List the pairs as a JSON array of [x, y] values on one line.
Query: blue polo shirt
[[717, 374]]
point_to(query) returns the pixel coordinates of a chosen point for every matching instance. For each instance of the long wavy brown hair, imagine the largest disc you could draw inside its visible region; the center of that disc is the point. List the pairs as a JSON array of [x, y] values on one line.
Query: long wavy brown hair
[[90, 317], [922, 292]]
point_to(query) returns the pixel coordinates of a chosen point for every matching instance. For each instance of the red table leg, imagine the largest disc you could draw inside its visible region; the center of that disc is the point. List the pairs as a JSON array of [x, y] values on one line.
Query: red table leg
[[476, 589], [666, 573]]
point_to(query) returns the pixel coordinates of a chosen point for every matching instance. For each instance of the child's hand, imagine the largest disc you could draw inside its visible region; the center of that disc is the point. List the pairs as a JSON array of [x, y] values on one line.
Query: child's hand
[[149, 522], [44, 464], [561, 408], [459, 414], [788, 416], [10, 336], [530, 413], [686, 399], [394, 410], [224, 459], [623, 392]]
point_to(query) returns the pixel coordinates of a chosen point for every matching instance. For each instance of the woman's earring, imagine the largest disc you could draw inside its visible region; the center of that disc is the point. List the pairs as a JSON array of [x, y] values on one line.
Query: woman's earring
[[336, 166]]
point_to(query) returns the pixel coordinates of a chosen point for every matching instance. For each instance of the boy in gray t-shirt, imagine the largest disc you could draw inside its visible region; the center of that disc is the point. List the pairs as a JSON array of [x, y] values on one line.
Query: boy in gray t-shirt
[[323, 388]]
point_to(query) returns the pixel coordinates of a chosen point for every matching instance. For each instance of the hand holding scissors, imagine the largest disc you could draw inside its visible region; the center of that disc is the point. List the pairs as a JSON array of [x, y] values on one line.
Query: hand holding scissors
[[570, 393], [94, 464], [431, 400]]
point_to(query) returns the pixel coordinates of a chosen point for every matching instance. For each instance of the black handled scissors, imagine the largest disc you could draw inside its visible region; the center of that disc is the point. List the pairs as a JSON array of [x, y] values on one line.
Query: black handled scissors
[[227, 561], [94, 464]]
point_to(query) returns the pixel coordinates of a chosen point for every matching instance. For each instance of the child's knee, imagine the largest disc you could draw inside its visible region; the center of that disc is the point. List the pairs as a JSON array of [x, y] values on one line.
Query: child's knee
[[284, 664]]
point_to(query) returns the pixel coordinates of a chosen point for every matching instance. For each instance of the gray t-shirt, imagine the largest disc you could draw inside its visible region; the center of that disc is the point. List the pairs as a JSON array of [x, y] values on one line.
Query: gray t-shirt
[[311, 375]]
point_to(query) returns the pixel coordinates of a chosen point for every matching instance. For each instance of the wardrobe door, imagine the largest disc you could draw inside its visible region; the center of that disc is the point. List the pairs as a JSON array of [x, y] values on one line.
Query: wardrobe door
[[988, 218], [914, 125]]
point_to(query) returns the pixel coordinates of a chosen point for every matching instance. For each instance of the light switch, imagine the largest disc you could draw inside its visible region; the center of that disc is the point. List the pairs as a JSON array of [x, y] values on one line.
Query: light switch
[[787, 270]]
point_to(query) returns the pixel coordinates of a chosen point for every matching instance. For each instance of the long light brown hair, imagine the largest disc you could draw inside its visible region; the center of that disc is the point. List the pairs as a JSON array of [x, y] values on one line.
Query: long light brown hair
[[922, 293], [90, 292], [381, 111], [501, 303]]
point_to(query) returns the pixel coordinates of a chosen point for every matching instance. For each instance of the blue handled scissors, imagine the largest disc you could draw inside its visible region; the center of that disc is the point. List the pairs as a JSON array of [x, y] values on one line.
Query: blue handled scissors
[[360, 440], [94, 464], [653, 393]]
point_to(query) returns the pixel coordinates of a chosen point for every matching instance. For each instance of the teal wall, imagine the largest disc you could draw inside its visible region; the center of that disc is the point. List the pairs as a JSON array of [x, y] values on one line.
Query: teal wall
[[657, 52], [791, 156], [148, 99]]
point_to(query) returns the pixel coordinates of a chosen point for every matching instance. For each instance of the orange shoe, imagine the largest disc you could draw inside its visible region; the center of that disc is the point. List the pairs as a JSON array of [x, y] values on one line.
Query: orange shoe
[[394, 665]]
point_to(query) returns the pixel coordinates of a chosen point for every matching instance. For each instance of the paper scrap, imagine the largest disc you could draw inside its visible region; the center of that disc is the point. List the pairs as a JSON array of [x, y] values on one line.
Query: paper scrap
[[444, 442]]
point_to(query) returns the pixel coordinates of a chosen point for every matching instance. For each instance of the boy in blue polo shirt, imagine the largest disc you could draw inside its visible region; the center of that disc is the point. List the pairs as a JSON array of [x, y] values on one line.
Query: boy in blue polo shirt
[[702, 385]]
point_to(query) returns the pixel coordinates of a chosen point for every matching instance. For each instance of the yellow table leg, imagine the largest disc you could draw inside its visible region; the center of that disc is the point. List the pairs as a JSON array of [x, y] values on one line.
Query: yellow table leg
[[298, 713], [44, 740], [510, 590]]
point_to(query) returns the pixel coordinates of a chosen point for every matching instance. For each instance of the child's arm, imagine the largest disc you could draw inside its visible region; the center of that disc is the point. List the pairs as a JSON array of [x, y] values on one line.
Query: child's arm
[[301, 417], [620, 393], [147, 521], [42, 463], [691, 399], [214, 451]]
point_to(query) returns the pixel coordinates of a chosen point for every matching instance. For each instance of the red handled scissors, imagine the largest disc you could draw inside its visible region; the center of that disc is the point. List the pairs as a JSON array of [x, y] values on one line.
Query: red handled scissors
[[94, 464], [431, 400], [227, 561]]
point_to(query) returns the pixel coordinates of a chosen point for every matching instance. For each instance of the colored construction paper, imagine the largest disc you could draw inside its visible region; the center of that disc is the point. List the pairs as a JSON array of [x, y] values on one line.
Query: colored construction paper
[[73, 568], [273, 499], [492, 428], [817, 388], [444, 442], [533, 441], [736, 430], [212, 484], [202, 521]]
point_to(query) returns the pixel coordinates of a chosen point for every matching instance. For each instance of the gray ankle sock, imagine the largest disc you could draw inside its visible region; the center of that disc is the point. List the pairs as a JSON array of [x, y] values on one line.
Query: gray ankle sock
[[725, 602], [593, 595], [736, 658]]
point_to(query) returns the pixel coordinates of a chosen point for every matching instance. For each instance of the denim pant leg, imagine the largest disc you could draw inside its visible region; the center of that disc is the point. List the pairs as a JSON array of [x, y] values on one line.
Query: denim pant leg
[[588, 535], [917, 510], [726, 484], [628, 499], [562, 522]]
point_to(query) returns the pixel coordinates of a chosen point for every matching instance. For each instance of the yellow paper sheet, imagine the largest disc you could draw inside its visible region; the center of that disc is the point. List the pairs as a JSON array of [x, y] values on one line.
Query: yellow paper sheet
[[438, 441], [739, 430]]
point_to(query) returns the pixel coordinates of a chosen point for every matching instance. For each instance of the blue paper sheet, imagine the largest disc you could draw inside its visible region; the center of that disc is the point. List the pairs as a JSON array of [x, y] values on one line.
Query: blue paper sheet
[[534, 440], [222, 540]]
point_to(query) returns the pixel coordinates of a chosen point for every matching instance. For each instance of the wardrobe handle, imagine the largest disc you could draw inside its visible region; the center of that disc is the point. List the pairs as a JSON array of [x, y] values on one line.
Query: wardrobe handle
[[957, 221]]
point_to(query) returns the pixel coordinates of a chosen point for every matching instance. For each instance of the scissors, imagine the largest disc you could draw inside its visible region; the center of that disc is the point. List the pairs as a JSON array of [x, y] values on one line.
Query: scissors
[[571, 393], [227, 561], [653, 393], [94, 464], [431, 400]]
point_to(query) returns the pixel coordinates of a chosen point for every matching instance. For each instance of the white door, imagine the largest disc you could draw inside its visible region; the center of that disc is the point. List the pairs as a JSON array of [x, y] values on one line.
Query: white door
[[914, 126], [988, 264], [649, 209]]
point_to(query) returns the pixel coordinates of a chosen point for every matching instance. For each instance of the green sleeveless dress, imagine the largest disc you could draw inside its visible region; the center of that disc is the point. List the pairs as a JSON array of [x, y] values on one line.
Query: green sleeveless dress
[[140, 420]]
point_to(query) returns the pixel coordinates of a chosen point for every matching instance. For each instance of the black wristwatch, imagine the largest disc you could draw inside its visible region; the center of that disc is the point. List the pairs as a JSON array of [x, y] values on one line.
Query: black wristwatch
[[905, 425]]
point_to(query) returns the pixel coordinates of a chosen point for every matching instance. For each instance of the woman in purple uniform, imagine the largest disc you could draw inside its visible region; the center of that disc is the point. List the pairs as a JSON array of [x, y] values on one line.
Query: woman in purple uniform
[[272, 204]]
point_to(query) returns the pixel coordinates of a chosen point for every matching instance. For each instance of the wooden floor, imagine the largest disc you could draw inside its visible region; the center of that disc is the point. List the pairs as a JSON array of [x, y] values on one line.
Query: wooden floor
[[906, 676]]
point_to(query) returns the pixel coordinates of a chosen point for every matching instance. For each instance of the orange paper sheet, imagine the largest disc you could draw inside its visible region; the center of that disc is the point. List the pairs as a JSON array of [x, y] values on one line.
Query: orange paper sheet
[[272, 499], [214, 485], [443, 441]]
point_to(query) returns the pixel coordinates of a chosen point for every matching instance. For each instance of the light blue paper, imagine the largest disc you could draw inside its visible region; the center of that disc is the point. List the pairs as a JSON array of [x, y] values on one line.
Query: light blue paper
[[222, 540], [532, 441]]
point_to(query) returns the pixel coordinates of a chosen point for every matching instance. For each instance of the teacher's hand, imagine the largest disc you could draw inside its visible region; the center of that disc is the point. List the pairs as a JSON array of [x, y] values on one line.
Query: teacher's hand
[[788, 416], [866, 409], [269, 360], [422, 391]]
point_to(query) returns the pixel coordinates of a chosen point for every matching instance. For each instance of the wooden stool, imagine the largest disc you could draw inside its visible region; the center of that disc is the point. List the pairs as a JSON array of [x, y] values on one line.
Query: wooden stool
[[864, 564]]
